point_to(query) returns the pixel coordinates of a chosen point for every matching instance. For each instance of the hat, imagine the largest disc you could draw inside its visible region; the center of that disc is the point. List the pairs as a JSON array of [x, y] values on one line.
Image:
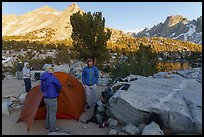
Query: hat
[[46, 67]]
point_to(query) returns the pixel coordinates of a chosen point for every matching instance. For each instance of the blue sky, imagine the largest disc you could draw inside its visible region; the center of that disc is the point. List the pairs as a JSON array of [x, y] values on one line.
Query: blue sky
[[126, 16]]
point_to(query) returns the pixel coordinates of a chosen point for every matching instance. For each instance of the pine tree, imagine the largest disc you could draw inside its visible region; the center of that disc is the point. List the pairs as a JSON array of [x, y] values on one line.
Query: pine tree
[[143, 62], [147, 60], [89, 37]]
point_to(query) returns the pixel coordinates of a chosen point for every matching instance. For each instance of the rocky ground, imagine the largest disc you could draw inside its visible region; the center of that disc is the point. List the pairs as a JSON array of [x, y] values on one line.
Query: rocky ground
[[162, 104], [172, 99], [14, 87]]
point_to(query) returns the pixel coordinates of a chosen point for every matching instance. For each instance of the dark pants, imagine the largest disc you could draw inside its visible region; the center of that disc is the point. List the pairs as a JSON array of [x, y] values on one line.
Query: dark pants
[[18, 75], [27, 84]]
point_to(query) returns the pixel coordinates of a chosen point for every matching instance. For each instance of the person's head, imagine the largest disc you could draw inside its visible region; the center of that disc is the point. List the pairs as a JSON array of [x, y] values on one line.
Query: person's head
[[106, 95], [26, 64], [89, 62], [49, 68]]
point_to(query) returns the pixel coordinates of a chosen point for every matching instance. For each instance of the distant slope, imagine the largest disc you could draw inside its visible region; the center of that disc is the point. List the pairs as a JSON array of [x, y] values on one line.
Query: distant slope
[[36, 25]]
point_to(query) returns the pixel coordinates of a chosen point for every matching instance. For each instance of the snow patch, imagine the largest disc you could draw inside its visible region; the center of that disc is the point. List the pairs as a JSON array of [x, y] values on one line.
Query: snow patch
[[172, 34], [190, 32], [178, 36]]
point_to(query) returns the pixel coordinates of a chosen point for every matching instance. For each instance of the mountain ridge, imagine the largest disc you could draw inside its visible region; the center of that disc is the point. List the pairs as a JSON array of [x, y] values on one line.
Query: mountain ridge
[[59, 23], [46, 19], [175, 27]]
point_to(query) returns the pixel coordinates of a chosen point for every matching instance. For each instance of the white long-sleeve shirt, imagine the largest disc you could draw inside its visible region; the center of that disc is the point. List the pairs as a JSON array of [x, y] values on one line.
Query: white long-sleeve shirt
[[26, 73]]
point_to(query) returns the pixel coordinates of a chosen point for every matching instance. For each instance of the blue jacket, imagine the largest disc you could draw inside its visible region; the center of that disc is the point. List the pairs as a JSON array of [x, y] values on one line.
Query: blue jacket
[[50, 85], [90, 75]]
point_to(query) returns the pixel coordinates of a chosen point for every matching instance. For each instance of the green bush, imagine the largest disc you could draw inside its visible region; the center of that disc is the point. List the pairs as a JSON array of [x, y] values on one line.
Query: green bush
[[144, 62]]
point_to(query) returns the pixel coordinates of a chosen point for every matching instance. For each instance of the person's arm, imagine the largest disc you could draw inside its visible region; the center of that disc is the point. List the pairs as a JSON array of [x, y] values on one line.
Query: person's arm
[[24, 72], [57, 83], [29, 74], [41, 87], [97, 75]]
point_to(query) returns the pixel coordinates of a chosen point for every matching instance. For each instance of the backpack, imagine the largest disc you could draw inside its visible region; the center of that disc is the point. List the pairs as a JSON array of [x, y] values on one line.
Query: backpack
[[37, 76], [99, 116]]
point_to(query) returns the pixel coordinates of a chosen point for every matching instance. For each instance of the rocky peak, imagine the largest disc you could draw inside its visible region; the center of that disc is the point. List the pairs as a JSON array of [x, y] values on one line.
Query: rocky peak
[[72, 8], [117, 34], [74, 5], [176, 27], [199, 19], [199, 24], [173, 20]]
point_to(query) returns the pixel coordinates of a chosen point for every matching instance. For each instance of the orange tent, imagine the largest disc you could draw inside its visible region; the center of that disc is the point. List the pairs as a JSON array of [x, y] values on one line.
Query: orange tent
[[71, 101]]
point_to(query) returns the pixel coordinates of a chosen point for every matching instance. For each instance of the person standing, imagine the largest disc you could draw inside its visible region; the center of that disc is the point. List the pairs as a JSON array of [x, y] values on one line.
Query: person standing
[[19, 68], [27, 76], [90, 77], [50, 87]]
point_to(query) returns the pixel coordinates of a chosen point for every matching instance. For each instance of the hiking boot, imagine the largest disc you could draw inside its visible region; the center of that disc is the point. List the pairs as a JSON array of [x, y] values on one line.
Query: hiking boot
[[56, 129]]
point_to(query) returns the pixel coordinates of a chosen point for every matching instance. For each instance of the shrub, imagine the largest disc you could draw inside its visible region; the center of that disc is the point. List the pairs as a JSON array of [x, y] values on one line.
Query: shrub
[[143, 62]]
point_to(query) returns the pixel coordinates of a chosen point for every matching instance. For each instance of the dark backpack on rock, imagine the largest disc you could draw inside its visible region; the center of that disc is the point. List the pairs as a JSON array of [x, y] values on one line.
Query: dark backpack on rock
[[37, 76]]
